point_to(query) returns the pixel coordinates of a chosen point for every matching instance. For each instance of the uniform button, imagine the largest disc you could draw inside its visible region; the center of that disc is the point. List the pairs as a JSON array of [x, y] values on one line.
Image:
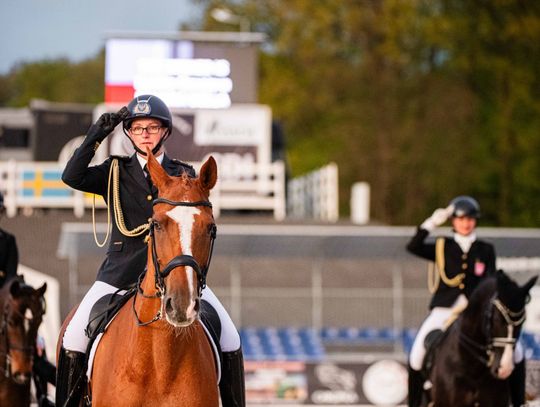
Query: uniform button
[[463, 257], [149, 197], [464, 266]]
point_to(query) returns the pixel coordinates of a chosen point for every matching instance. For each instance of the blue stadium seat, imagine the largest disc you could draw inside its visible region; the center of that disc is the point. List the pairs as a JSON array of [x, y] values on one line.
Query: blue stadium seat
[[269, 343], [307, 344]]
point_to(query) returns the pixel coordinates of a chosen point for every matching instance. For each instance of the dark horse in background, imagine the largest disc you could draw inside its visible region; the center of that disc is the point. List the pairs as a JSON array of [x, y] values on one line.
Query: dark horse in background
[[475, 356], [21, 313]]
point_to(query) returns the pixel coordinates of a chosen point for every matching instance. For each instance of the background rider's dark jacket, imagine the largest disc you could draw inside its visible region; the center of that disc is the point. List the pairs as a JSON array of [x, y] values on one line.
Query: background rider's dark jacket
[[481, 255], [126, 256], [9, 256]]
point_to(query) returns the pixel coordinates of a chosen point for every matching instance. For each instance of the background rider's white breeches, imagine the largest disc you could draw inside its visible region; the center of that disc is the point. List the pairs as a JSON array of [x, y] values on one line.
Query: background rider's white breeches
[[75, 338], [435, 320]]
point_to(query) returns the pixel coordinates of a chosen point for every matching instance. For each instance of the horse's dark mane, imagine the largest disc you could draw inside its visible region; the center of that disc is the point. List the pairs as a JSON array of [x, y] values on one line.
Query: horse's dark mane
[[482, 293], [510, 293], [507, 290]]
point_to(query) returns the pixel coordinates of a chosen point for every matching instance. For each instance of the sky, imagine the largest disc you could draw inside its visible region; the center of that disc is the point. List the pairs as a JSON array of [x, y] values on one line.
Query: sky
[[76, 29]]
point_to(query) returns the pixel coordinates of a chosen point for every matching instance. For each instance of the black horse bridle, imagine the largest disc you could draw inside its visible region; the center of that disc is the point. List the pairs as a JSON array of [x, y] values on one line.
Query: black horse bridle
[[28, 350], [181, 260], [485, 353]]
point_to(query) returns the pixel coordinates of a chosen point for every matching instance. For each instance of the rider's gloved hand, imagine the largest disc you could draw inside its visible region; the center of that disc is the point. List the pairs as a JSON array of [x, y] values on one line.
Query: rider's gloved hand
[[438, 218], [106, 124]]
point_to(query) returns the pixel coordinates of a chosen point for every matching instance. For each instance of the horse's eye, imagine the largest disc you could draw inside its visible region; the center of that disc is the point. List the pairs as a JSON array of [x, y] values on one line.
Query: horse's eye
[[157, 226]]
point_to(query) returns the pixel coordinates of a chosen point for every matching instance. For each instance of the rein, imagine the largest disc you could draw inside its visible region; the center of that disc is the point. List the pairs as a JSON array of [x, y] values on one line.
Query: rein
[[182, 260], [478, 350]]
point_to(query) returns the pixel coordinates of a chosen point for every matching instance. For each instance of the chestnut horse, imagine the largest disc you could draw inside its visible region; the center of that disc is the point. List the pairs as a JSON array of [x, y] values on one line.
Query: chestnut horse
[[475, 356], [22, 308], [155, 352]]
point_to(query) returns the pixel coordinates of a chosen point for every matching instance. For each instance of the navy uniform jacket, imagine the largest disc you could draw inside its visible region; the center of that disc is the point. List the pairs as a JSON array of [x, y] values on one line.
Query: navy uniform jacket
[[126, 256], [477, 264], [9, 256]]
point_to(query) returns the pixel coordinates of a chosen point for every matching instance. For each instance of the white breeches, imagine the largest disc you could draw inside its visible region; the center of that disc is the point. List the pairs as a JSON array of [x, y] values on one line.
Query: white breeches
[[75, 338], [437, 319]]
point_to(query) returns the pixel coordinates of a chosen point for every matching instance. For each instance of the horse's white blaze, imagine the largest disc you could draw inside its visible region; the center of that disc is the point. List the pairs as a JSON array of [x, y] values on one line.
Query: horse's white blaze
[[27, 318], [184, 216], [507, 359]]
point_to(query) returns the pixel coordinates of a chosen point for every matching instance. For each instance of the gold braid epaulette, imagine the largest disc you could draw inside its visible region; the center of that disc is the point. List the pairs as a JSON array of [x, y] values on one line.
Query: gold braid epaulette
[[437, 272]]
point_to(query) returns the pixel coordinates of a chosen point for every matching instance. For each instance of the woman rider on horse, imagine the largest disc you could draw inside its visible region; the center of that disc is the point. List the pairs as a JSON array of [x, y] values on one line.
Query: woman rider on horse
[[147, 122], [461, 262]]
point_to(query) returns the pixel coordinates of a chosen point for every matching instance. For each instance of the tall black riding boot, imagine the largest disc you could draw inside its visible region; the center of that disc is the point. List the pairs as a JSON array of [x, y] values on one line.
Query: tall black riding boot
[[231, 386], [517, 381], [70, 378], [416, 387]]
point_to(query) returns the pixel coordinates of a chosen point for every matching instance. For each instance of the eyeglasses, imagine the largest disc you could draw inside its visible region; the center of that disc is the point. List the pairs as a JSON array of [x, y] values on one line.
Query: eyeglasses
[[138, 130]]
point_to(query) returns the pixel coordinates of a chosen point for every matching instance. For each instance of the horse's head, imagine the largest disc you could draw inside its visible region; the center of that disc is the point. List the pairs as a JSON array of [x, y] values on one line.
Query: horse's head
[[182, 233], [22, 312], [504, 318]]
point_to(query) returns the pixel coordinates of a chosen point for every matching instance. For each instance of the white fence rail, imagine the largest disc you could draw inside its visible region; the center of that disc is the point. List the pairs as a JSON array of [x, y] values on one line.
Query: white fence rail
[[39, 185], [315, 195]]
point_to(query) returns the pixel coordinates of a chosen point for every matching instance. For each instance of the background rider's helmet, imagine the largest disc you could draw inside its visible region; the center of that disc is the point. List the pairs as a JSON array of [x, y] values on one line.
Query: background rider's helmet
[[151, 107], [465, 206]]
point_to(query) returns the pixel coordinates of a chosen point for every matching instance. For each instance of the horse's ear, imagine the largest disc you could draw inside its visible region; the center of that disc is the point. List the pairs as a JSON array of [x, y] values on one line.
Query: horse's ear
[[15, 287], [157, 173], [208, 174], [41, 290], [529, 284]]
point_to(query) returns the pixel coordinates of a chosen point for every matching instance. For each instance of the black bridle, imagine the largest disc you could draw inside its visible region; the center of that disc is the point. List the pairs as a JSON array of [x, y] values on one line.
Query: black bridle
[[182, 260], [29, 349], [485, 352]]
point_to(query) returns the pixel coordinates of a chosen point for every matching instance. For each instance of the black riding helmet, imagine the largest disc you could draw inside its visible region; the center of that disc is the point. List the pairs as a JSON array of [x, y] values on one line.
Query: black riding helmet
[[465, 206], [148, 106]]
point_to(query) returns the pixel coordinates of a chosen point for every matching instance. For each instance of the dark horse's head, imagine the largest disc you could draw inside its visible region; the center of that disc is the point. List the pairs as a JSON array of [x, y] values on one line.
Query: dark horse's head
[[182, 233], [22, 308], [492, 322]]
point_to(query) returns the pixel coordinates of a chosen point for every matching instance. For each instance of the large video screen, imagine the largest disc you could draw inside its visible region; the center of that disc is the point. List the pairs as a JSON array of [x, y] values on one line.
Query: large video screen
[[184, 73]]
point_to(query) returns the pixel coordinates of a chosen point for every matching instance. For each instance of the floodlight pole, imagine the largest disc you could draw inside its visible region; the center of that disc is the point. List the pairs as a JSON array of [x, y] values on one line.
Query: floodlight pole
[[224, 15]]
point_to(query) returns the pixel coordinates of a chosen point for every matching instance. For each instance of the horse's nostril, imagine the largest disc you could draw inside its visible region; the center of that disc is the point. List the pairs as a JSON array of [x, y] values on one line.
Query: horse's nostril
[[21, 378], [168, 306], [197, 306]]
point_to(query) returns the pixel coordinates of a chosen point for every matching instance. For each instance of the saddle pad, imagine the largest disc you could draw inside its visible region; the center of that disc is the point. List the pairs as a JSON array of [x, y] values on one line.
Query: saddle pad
[[211, 334]]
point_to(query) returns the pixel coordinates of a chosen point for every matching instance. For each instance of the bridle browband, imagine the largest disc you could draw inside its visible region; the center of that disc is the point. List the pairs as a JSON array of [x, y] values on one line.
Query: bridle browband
[[486, 353], [182, 260]]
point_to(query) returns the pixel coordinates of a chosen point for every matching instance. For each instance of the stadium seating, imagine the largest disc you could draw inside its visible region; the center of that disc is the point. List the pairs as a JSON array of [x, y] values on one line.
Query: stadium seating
[[308, 344]]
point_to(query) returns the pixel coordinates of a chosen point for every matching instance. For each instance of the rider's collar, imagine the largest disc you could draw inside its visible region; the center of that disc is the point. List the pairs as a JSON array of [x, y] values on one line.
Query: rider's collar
[[142, 160], [465, 242]]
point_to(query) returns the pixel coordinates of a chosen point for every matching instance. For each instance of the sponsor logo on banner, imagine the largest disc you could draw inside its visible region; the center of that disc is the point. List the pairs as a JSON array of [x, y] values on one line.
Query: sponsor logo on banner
[[385, 383], [334, 385], [275, 382], [231, 127]]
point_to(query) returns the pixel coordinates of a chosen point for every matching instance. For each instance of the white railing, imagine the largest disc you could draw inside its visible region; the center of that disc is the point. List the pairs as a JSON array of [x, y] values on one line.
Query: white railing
[[315, 195], [39, 185], [262, 187]]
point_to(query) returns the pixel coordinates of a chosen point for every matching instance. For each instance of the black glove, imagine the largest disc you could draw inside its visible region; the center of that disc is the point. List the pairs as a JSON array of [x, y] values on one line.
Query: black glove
[[106, 124]]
